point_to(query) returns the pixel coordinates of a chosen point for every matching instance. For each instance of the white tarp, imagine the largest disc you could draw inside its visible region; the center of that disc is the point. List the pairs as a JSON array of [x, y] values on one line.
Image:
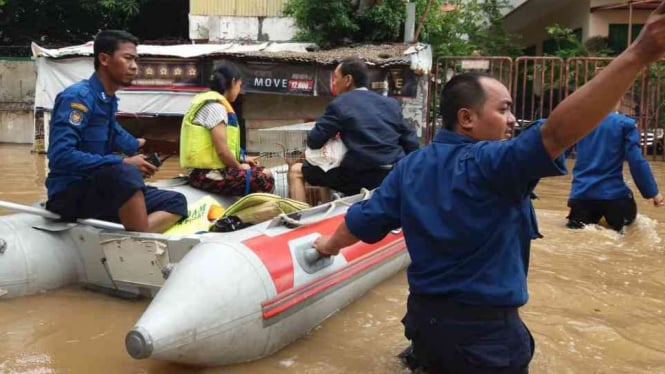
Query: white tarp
[[178, 50], [54, 73], [53, 76]]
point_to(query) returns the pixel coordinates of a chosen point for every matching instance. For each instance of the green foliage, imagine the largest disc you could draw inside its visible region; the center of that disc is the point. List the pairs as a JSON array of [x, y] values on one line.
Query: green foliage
[[462, 27], [568, 45], [598, 46], [383, 22], [327, 23], [491, 37], [62, 21], [468, 27]]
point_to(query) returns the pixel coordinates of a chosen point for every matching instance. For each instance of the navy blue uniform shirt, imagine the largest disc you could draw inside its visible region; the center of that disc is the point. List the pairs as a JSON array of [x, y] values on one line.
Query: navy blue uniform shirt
[[466, 212], [371, 126], [83, 134], [598, 171]]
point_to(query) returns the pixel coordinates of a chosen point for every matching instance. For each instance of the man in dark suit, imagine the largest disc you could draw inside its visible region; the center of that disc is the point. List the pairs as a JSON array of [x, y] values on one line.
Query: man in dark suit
[[371, 127]]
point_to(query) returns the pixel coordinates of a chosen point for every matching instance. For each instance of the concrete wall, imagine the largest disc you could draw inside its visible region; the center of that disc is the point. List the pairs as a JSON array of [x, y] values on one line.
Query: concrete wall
[[279, 28], [16, 126], [17, 95], [574, 14], [599, 21], [223, 28], [233, 28], [414, 109], [17, 81], [534, 16], [514, 4]]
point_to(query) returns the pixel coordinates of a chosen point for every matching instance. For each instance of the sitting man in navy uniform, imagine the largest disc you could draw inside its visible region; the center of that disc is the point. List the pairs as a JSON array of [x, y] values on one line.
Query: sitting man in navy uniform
[[372, 128], [598, 188], [464, 205], [86, 180]]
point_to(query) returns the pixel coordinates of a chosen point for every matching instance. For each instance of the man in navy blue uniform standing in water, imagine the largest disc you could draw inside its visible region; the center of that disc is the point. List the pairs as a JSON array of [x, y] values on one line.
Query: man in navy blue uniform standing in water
[[86, 180], [598, 188], [464, 205]]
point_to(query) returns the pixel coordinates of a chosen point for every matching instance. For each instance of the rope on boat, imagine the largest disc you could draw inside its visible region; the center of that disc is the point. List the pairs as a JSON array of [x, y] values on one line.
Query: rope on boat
[[333, 204]]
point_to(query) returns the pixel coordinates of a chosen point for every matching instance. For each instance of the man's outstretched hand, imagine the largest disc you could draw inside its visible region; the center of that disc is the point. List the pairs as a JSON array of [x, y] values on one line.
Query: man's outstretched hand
[[650, 44]]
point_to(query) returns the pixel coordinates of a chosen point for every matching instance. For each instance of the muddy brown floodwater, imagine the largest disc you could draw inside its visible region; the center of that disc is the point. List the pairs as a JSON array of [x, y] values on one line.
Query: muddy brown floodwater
[[597, 304]]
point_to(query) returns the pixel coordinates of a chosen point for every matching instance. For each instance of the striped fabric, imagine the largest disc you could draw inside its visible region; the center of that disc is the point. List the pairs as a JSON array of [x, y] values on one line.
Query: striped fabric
[[211, 115]]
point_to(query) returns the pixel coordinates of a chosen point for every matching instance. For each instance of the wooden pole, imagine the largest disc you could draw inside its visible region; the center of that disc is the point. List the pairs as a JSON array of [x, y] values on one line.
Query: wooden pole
[[630, 22]]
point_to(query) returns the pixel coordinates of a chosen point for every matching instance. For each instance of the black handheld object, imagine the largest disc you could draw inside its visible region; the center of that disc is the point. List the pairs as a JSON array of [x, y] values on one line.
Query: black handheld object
[[154, 159]]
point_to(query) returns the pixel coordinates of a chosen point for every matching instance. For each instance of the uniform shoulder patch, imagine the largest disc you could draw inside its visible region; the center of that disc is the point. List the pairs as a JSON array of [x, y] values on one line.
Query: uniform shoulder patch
[[75, 117], [79, 106]]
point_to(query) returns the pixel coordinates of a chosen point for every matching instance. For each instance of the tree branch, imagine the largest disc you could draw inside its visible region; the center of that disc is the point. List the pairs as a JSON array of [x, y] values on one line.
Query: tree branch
[[422, 20]]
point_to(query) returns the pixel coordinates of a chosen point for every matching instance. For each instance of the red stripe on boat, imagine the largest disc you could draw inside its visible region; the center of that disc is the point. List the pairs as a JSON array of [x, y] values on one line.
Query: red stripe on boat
[[275, 254], [380, 252]]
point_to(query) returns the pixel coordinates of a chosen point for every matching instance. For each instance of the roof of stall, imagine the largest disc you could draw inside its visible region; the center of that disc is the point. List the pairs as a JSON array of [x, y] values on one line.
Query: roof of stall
[[381, 55]]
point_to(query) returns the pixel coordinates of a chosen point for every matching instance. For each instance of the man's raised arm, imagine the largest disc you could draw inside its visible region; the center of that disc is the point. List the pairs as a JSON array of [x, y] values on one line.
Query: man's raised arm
[[580, 112]]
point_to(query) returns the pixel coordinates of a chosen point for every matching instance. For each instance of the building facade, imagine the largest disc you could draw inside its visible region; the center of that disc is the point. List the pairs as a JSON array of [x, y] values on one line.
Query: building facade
[[618, 20], [250, 20], [17, 97]]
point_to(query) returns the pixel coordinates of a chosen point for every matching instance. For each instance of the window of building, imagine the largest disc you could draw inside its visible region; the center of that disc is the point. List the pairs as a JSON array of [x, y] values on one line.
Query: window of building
[[618, 35]]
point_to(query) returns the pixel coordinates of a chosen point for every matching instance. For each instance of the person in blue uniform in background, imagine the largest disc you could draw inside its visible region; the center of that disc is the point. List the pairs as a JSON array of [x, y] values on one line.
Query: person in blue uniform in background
[[598, 189], [86, 179], [464, 205]]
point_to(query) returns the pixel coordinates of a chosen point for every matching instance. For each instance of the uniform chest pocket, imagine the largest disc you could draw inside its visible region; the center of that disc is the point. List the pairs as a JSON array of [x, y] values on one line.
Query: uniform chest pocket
[[95, 133], [94, 138]]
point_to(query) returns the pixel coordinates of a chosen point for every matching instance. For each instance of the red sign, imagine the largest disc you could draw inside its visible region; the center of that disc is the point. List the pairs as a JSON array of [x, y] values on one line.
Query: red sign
[[301, 85]]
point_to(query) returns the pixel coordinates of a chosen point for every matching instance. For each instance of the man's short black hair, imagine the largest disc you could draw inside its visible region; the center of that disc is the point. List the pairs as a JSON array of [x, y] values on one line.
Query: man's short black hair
[[357, 69], [462, 91], [224, 76], [108, 41]]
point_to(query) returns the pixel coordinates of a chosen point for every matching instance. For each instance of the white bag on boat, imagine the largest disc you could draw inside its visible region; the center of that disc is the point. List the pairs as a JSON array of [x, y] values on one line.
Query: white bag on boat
[[329, 156]]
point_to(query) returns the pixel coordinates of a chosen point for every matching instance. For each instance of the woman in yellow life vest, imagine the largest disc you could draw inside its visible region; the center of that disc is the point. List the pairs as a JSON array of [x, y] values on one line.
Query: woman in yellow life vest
[[210, 141]]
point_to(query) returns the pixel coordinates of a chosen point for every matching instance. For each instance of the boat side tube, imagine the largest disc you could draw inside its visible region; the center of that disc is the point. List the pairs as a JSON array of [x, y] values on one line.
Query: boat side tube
[[36, 254], [237, 300], [209, 310]]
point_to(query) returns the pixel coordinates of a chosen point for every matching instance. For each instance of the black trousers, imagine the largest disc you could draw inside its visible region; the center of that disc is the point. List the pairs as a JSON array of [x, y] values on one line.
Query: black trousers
[[617, 213], [347, 181], [102, 194], [452, 338]]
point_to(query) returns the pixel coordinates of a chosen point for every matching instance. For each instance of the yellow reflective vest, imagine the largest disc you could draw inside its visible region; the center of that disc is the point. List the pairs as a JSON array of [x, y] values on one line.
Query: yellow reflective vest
[[197, 150]]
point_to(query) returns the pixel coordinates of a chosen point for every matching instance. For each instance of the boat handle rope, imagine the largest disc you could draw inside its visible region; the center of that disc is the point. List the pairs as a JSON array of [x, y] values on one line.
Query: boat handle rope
[[333, 204]]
